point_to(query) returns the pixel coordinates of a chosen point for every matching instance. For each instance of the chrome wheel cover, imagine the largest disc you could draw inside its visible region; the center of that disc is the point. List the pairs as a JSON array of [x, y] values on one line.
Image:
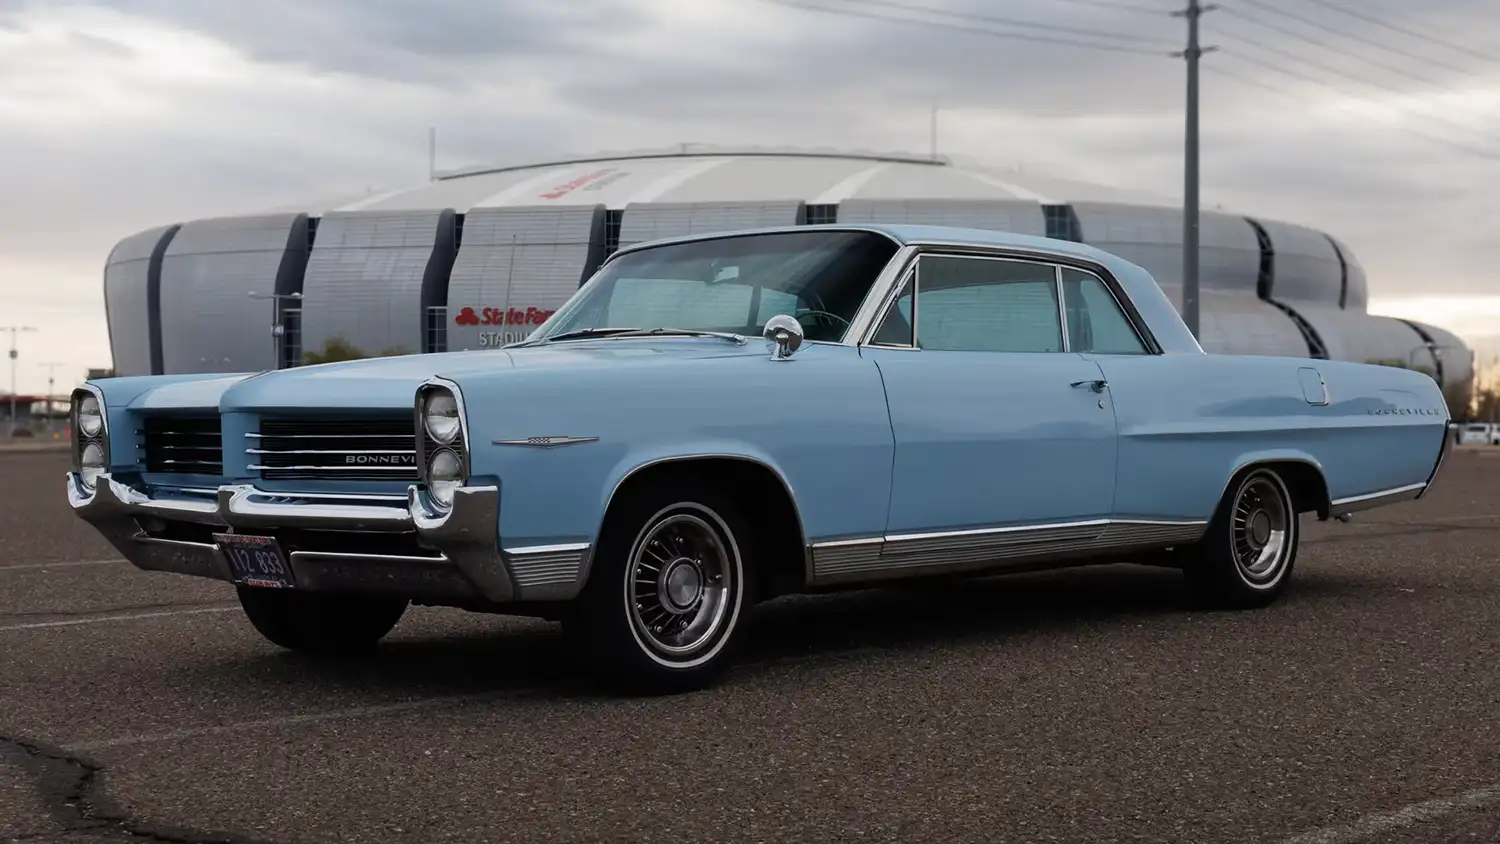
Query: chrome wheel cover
[[682, 586], [1262, 530]]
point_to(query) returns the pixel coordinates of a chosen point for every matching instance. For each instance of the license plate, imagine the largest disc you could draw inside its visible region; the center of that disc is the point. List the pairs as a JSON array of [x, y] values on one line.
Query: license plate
[[255, 560]]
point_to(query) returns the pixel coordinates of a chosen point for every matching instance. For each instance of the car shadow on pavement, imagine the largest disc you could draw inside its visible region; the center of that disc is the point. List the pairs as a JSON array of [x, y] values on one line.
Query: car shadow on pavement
[[530, 658]]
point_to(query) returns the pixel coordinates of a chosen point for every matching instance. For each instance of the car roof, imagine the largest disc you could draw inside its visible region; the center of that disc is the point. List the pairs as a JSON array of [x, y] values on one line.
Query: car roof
[[1139, 285], [907, 234], [912, 233]]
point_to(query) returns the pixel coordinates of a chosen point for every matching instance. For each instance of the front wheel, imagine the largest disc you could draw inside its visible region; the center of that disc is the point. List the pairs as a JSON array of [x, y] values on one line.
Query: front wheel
[[321, 623], [667, 592], [1246, 557]]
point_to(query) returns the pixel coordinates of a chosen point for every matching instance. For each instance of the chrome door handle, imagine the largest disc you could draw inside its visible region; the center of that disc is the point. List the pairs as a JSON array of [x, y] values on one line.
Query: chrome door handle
[[1095, 384]]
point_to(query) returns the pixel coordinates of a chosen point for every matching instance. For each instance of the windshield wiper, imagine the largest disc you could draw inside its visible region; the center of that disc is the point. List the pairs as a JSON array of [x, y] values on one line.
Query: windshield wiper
[[576, 334], [737, 339]]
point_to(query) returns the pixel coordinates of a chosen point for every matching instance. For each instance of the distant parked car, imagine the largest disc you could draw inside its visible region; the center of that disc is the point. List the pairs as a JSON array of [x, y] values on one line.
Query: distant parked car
[[1479, 433], [926, 401]]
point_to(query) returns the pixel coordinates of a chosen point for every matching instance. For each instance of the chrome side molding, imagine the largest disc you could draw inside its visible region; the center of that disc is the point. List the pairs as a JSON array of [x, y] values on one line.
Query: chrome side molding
[[953, 552]]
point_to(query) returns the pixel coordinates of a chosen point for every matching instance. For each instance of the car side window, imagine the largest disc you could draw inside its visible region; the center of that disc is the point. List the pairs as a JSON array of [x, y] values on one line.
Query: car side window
[[987, 305], [896, 330], [1096, 323]]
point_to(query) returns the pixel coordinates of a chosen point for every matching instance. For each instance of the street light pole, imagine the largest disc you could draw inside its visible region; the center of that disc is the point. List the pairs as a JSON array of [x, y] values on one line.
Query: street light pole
[[1190, 307], [14, 330], [51, 391], [278, 330]]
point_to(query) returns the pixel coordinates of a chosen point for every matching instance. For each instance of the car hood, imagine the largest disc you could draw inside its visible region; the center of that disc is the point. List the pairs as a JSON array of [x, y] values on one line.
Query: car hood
[[390, 383]]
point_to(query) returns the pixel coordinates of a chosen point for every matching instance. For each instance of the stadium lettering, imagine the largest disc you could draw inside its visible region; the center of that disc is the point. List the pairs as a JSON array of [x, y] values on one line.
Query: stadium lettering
[[568, 187]]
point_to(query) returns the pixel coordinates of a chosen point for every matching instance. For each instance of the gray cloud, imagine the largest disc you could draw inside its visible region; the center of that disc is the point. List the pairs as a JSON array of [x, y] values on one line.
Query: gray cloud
[[334, 97], [432, 42]]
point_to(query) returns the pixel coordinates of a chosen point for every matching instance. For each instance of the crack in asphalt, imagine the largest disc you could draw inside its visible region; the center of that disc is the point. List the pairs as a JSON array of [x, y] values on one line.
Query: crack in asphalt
[[73, 790]]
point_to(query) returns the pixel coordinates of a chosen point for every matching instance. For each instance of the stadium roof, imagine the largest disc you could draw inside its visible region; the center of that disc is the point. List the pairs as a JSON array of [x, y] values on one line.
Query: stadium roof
[[707, 173]]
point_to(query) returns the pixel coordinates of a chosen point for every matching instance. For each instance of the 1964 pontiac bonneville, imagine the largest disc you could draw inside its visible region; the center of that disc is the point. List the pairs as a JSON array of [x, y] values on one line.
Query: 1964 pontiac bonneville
[[712, 421]]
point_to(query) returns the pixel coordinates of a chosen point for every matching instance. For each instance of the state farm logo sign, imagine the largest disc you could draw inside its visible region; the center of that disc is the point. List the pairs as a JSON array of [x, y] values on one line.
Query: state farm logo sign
[[531, 317], [588, 182], [503, 316]]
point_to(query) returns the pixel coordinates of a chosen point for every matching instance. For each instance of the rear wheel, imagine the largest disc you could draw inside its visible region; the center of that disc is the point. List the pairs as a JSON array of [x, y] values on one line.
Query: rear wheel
[[321, 623], [1246, 558], [668, 590]]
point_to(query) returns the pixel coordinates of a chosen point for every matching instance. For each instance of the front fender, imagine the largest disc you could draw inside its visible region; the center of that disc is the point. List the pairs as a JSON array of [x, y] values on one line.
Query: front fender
[[640, 459], [819, 421]]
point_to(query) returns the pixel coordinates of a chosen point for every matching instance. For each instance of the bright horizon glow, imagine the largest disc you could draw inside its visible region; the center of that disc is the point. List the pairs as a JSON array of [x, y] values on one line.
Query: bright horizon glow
[[1475, 319]]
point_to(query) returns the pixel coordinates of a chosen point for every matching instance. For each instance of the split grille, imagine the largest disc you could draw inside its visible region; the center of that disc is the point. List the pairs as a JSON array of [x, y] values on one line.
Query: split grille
[[183, 445], [380, 448]]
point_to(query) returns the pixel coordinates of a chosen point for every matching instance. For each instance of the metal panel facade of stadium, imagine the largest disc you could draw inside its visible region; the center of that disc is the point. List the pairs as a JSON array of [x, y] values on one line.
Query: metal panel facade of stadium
[[408, 276]]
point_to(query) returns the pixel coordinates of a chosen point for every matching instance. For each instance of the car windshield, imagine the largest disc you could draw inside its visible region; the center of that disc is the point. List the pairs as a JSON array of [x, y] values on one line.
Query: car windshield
[[731, 284]]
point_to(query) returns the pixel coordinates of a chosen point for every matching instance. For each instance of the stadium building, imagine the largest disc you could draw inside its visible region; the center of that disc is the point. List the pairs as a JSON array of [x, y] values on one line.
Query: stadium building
[[449, 264]]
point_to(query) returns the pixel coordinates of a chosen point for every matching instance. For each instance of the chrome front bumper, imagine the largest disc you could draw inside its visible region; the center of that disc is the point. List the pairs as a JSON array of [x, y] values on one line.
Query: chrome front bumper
[[455, 555]]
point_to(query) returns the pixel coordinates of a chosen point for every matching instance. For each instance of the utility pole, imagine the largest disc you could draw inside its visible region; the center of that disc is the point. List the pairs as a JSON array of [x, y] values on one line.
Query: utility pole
[[432, 153], [51, 368], [932, 140], [1190, 308], [14, 331]]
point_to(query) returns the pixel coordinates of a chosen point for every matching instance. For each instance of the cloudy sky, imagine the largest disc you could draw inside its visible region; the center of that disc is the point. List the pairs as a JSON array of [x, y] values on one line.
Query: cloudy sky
[[1375, 120]]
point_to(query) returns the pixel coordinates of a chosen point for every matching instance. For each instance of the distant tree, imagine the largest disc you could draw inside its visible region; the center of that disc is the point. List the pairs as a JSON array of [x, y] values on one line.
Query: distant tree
[[1401, 364], [336, 349], [1461, 399], [1486, 404], [339, 349]]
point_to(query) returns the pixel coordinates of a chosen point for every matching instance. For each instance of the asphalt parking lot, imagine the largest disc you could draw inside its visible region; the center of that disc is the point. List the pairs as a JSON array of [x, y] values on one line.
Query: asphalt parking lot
[[1091, 706]]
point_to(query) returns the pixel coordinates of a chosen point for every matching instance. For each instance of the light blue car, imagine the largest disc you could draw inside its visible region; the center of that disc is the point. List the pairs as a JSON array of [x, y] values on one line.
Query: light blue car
[[713, 421]]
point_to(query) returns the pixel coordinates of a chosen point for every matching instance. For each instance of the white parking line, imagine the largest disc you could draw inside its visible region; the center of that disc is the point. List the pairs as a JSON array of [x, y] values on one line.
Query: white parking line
[[100, 619], [1382, 822], [292, 720], [63, 565]]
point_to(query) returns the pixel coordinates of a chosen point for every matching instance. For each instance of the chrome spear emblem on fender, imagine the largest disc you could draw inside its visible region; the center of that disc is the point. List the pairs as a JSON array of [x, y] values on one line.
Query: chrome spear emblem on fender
[[546, 442]]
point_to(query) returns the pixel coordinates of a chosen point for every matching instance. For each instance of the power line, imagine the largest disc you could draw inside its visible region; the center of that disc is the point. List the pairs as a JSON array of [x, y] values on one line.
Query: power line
[[1426, 80], [993, 33], [1250, 80], [991, 19], [1437, 118], [1439, 42], [1119, 7]]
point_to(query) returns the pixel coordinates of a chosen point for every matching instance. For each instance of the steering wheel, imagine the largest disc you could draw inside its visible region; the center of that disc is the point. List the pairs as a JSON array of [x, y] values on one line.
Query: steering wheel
[[822, 316]]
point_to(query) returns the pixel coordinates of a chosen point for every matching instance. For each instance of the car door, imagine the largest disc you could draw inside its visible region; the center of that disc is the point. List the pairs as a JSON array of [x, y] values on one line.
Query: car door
[[996, 424]]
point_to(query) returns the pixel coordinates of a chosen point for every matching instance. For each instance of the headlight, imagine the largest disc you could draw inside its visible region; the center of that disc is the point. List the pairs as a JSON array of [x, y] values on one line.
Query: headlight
[[90, 419], [91, 464], [445, 474], [440, 417]]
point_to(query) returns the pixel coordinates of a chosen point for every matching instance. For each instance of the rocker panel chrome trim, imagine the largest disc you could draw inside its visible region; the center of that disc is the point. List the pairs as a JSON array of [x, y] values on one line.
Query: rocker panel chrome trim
[[1354, 504], [914, 554]]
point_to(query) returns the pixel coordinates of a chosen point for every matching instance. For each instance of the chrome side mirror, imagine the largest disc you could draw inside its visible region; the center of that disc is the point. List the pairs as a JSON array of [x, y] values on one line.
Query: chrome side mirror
[[786, 333]]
